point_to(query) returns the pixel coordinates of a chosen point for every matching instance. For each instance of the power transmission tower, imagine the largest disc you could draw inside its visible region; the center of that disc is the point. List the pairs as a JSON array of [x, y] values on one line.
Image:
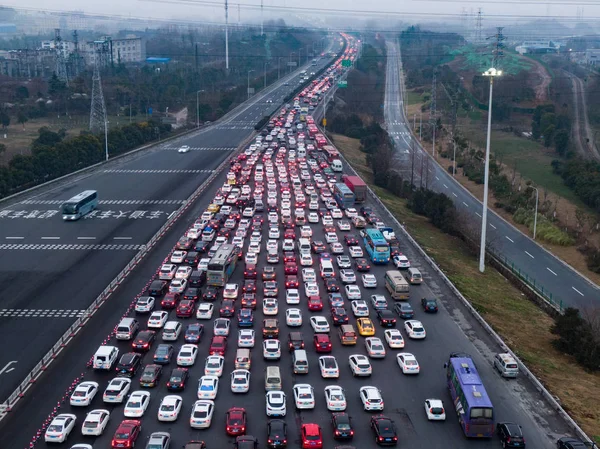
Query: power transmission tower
[[479, 28], [75, 57], [498, 49], [433, 106], [61, 65], [262, 30], [226, 37], [239, 21], [464, 23], [98, 109]]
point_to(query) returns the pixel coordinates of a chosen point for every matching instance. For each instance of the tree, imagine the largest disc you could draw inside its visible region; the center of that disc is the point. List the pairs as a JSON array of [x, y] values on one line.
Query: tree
[[2, 148], [4, 119], [561, 141], [21, 93], [22, 119]]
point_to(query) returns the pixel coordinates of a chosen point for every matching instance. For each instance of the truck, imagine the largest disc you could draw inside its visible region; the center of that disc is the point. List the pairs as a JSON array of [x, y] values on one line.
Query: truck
[[390, 236], [358, 187]]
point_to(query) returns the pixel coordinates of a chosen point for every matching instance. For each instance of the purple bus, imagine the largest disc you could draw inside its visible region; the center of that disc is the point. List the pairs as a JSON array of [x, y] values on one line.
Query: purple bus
[[471, 402]]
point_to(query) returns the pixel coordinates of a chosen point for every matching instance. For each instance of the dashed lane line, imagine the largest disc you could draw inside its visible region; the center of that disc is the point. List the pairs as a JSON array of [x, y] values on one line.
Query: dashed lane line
[[577, 291], [153, 172], [508, 238], [437, 178], [465, 204], [529, 255], [70, 246], [50, 238], [122, 238], [86, 238], [445, 186], [455, 195], [494, 227], [14, 238], [551, 271], [478, 214], [108, 202]]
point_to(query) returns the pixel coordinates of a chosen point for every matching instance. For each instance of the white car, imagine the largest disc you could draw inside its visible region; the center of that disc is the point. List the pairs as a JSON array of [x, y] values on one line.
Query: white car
[[183, 149], [270, 306], [351, 212], [306, 231], [145, 304], [240, 381], [169, 408], [251, 258], [407, 363], [344, 225], [327, 220], [60, 428], [208, 387], [178, 285], [272, 246], [246, 338], [293, 317], [214, 365], [414, 329], [371, 398], [256, 236], [335, 398], [347, 276], [379, 302], [276, 403], [202, 413], [337, 248], [336, 213], [313, 217], [271, 349], [311, 289], [329, 367], [203, 264], [304, 396], [117, 390], [95, 422], [309, 275], [136, 405], [394, 338], [221, 327], [288, 245], [292, 296], [355, 251], [84, 393], [344, 262], [331, 237], [183, 272], [319, 324], [274, 233], [231, 291], [359, 308], [187, 355], [158, 319], [178, 256], [434, 408], [369, 280], [375, 348], [360, 365], [238, 240], [205, 311], [353, 291], [401, 261], [306, 260], [254, 247]]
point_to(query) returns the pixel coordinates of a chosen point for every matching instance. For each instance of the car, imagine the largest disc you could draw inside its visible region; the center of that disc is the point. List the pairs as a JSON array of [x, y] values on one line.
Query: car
[[170, 300], [359, 308], [178, 379], [379, 302], [159, 440], [231, 291], [240, 381], [365, 327], [328, 367], [202, 413], [429, 305], [163, 354], [369, 281], [394, 338], [292, 296], [270, 306], [117, 390], [322, 343], [331, 285], [127, 433], [276, 403], [210, 294], [157, 319], [375, 348], [288, 245], [274, 233], [401, 261], [249, 286], [351, 240], [434, 409], [245, 318], [251, 258], [335, 300], [205, 311], [405, 310], [311, 436], [347, 276], [145, 304], [187, 355], [191, 294], [371, 398], [311, 289], [246, 338], [414, 329], [339, 316], [245, 442], [177, 285], [185, 309], [221, 327], [360, 365], [304, 396], [309, 275], [84, 393], [95, 422], [335, 398], [249, 301], [213, 366], [384, 430], [315, 304], [208, 387], [313, 217], [331, 237], [318, 246], [193, 333], [128, 364], [137, 404], [167, 271], [150, 376], [407, 363], [355, 251], [271, 349], [342, 426], [218, 345], [290, 268], [306, 232], [276, 433], [511, 434], [319, 324], [169, 408], [293, 317], [183, 272], [183, 149], [362, 265], [336, 248], [60, 427], [344, 225], [386, 318], [306, 260]]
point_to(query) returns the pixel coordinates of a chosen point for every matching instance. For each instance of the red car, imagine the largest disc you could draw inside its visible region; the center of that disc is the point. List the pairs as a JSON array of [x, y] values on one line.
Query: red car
[[291, 281], [127, 433], [311, 435], [236, 421], [322, 343], [249, 301], [315, 304], [250, 272], [289, 234], [170, 300], [218, 346], [289, 256], [291, 268], [249, 286], [185, 309]]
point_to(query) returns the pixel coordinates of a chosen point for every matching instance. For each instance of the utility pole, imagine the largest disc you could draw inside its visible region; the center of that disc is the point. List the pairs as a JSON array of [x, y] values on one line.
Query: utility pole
[[61, 66], [420, 125], [262, 30], [98, 117], [239, 20], [432, 112], [412, 164], [226, 37], [479, 28]]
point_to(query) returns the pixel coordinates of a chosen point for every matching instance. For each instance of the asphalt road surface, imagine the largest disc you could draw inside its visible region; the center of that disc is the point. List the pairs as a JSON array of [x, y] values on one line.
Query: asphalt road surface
[[52, 270], [564, 284]]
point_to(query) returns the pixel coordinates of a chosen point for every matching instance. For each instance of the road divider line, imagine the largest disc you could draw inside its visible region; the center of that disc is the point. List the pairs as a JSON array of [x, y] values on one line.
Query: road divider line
[[437, 178], [551, 271], [465, 204], [86, 238], [508, 238], [50, 238], [14, 238], [495, 228], [455, 195], [529, 255], [478, 214], [577, 291], [445, 186], [122, 238]]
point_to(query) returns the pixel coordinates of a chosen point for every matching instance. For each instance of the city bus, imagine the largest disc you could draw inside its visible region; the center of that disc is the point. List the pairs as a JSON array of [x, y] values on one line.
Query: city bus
[[79, 205], [222, 264], [377, 246], [320, 140], [343, 195], [471, 402], [331, 153], [396, 285]]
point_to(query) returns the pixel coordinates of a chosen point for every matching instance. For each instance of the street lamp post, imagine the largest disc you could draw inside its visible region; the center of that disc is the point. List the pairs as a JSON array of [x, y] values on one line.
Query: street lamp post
[[492, 72], [106, 138], [265, 67], [537, 194], [249, 71], [198, 108], [279, 67]]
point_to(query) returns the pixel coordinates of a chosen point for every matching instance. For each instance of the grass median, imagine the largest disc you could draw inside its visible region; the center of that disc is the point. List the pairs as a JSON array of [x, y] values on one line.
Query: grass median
[[523, 326]]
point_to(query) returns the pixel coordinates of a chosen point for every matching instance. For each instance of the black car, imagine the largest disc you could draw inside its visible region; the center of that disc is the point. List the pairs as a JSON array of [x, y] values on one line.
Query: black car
[[227, 309], [510, 434], [143, 341], [318, 247], [195, 445], [150, 376], [191, 293], [366, 211], [246, 442], [351, 240], [197, 279], [210, 294], [295, 341], [342, 426], [332, 286], [178, 379], [157, 288], [192, 258], [339, 316], [201, 247], [405, 310], [386, 318], [429, 305], [129, 364], [163, 354], [384, 430], [276, 433], [193, 333], [570, 443]]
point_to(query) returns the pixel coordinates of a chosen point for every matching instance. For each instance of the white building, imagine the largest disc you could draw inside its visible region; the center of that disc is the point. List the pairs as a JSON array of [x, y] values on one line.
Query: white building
[[67, 47], [592, 56], [537, 46], [130, 49]]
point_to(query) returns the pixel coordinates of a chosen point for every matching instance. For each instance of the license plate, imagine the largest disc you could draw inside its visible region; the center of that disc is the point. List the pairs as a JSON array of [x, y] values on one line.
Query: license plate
[[388, 439]]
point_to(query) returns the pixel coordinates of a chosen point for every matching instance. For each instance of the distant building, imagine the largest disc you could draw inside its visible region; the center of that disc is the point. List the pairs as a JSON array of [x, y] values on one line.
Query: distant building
[[67, 46], [538, 46], [8, 28], [592, 57], [131, 49]]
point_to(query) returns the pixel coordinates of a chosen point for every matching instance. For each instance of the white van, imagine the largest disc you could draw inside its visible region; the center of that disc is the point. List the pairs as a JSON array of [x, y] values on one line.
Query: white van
[[301, 153], [506, 365], [300, 361], [272, 378], [171, 330], [127, 329], [304, 246], [105, 357], [326, 269], [336, 165], [414, 276], [243, 359]]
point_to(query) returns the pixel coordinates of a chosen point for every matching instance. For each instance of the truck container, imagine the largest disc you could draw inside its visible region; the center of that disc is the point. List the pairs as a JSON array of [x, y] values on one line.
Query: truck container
[[358, 187]]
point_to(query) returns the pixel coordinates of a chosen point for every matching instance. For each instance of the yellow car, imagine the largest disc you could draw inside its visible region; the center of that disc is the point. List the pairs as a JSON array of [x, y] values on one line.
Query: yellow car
[[214, 208], [365, 327]]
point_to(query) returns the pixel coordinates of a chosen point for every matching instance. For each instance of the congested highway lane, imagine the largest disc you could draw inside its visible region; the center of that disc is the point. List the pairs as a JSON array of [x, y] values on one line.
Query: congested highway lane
[[52, 270]]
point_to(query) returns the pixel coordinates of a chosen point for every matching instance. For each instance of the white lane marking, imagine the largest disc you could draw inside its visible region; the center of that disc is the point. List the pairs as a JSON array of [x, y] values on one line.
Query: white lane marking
[[551, 271], [437, 178], [455, 195], [465, 204], [86, 238], [577, 291], [529, 255], [478, 214], [494, 227], [508, 238], [445, 186], [122, 238], [50, 238], [171, 214], [14, 238]]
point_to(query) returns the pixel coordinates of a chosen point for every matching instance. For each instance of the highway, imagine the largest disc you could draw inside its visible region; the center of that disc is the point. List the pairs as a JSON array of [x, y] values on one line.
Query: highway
[[451, 329], [565, 284], [52, 270]]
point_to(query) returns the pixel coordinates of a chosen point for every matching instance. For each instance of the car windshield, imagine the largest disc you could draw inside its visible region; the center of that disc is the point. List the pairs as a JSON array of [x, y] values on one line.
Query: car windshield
[[418, 329], [122, 435], [200, 414], [175, 379], [235, 421], [90, 424], [437, 410], [239, 380], [79, 393], [304, 395], [168, 407], [55, 428], [312, 437], [134, 404]]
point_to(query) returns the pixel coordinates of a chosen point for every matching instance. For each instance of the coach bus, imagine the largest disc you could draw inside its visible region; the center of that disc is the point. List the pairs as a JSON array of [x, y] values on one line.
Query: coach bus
[[396, 285], [343, 195], [471, 401], [222, 265], [331, 153], [79, 205], [377, 246]]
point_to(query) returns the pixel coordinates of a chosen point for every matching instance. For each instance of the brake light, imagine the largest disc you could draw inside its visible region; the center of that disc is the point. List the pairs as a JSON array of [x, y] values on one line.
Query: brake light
[[352, 432], [380, 438]]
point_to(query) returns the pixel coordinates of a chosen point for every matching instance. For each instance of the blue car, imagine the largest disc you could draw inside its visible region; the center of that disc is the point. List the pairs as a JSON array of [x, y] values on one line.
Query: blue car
[[405, 310], [193, 333], [163, 354], [245, 318]]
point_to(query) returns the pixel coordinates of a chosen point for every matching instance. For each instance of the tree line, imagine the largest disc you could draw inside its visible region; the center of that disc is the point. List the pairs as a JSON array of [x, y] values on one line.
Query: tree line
[[579, 336]]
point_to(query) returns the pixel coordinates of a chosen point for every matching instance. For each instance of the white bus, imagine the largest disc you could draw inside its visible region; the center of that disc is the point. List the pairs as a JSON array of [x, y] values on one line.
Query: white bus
[[79, 205], [396, 285]]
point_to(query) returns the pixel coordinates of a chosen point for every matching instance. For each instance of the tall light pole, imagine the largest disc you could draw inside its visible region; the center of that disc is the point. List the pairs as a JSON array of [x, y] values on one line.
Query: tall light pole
[[491, 73], [265, 85], [198, 108], [226, 36], [106, 138], [279, 67], [249, 71], [537, 194]]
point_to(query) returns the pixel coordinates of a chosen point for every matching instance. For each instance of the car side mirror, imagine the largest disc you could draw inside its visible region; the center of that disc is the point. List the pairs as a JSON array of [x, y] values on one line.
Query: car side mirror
[[445, 365]]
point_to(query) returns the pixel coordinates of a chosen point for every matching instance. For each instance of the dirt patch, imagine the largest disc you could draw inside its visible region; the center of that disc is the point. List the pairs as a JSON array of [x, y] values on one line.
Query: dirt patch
[[543, 82]]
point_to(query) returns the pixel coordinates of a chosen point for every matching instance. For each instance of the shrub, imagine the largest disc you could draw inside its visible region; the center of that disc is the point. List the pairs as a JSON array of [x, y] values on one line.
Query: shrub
[[576, 337], [546, 230]]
